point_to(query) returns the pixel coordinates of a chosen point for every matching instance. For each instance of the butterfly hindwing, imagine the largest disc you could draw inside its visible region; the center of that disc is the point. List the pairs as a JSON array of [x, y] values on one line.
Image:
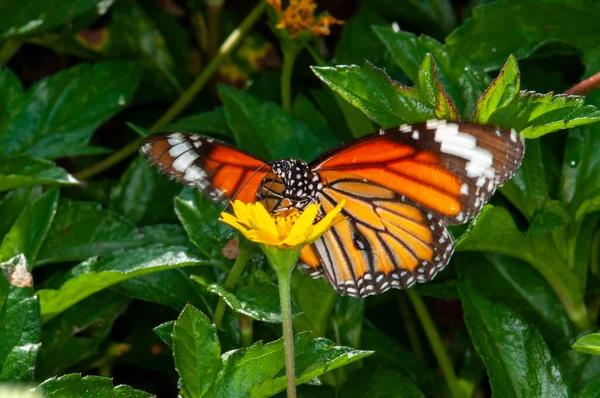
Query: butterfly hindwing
[[219, 170]]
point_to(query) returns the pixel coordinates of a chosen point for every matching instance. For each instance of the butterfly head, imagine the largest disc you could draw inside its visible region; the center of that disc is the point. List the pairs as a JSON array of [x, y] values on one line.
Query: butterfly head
[[290, 184]]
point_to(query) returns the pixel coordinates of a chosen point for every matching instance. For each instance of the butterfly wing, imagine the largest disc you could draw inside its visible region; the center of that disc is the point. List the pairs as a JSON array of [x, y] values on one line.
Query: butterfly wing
[[219, 170], [402, 187]]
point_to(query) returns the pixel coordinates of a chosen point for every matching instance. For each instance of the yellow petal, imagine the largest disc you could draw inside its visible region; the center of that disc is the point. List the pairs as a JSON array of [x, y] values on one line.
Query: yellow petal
[[264, 220], [305, 221], [241, 212], [231, 220], [263, 237]]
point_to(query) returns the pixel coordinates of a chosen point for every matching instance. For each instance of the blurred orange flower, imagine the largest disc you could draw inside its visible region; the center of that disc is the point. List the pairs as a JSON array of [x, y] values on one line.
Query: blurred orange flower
[[300, 16]]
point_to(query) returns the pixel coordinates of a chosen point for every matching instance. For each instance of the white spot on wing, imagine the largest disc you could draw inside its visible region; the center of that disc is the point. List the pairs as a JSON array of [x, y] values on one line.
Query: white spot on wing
[[179, 149], [184, 161]]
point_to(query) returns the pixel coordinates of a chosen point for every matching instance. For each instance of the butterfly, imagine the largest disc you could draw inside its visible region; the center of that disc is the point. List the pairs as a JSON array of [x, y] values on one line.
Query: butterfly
[[403, 187]]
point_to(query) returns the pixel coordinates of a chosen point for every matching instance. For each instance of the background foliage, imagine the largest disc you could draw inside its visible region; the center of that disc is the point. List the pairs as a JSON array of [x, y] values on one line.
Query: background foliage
[[112, 273]]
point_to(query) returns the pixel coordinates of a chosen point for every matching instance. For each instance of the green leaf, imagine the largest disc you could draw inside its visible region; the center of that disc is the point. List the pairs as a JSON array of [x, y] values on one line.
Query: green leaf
[[73, 385], [200, 219], [11, 93], [213, 122], [304, 110], [27, 171], [549, 218], [315, 300], [77, 333], [58, 114], [588, 344], [255, 122], [390, 354], [144, 194], [520, 27], [17, 20], [29, 231], [83, 229], [20, 331], [171, 288], [96, 274], [165, 332], [499, 94], [511, 282], [258, 371], [590, 390], [433, 91], [358, 42], [518, 361], [379, 383], [196, 350], [259, 301], [13, 203], [460, 79], [580, 185], [371, 90]]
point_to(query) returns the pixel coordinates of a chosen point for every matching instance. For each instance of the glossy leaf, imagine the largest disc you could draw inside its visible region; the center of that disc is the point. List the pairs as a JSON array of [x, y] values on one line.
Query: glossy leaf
[[27, 171], [518, 361], [379, 383], [521, 27], [20, 330], [11, 93], [29, 231], [58, 114], [73, 385], [588, 344], [255, 122], [387, 102], [499, 94], [13, 203], [77, 334], [17, 20], [83, 229], [165, 332], [461, 80], [258, 301], [197, 351], [97, 274]]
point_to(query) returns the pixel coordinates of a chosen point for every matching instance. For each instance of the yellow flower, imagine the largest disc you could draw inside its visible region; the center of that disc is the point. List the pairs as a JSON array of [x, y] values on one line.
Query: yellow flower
[[285, 229], [300, 16]]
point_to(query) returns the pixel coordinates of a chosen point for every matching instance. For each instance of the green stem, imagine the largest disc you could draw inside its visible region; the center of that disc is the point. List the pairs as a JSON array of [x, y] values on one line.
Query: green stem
[[289, 58], [231, 281], [188, 95], [284, 277], [8, 49], [410, 326], [246, 330], [436, 344]]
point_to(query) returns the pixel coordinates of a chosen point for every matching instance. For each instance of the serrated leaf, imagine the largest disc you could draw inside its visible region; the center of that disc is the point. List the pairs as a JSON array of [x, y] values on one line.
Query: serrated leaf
[[371, 90], [83, 229], [433, 91], [460, 79], [27, 171], [196, 350], [17, 20], [97, 274], [501, 92], [30, 229], [259, 301], [20, 330], [58, 114], [73, 385], [255, 122], [77, 333], [518, 361], [520, 27], [588, 344], [165, 332]]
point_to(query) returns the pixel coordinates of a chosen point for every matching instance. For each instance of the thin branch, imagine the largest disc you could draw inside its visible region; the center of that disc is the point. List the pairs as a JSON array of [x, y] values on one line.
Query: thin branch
[[586, 86]]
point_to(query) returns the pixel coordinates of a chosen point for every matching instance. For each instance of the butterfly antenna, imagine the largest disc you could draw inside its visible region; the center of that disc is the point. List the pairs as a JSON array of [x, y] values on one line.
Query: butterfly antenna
[[244, 185]]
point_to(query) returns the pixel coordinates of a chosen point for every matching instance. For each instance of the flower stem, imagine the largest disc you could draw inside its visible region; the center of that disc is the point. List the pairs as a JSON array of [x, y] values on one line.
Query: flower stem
[[231, 281], [188, 95], [284, 277], [436, 344], [289, 58]]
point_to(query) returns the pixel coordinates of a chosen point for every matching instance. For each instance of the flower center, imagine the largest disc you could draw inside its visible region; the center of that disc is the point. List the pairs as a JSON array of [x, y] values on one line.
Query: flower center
[[285, 221]]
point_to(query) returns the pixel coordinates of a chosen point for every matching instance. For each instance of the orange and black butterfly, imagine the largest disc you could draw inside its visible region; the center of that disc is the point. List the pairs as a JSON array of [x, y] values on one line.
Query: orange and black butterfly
[[402, 187]]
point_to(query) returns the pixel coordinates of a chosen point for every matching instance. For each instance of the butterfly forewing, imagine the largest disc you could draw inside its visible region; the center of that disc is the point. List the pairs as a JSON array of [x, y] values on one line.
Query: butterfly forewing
[[219, 170]]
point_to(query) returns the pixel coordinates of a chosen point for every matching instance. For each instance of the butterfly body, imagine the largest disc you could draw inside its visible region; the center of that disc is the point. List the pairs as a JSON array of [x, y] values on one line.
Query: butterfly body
[[402, 187]]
